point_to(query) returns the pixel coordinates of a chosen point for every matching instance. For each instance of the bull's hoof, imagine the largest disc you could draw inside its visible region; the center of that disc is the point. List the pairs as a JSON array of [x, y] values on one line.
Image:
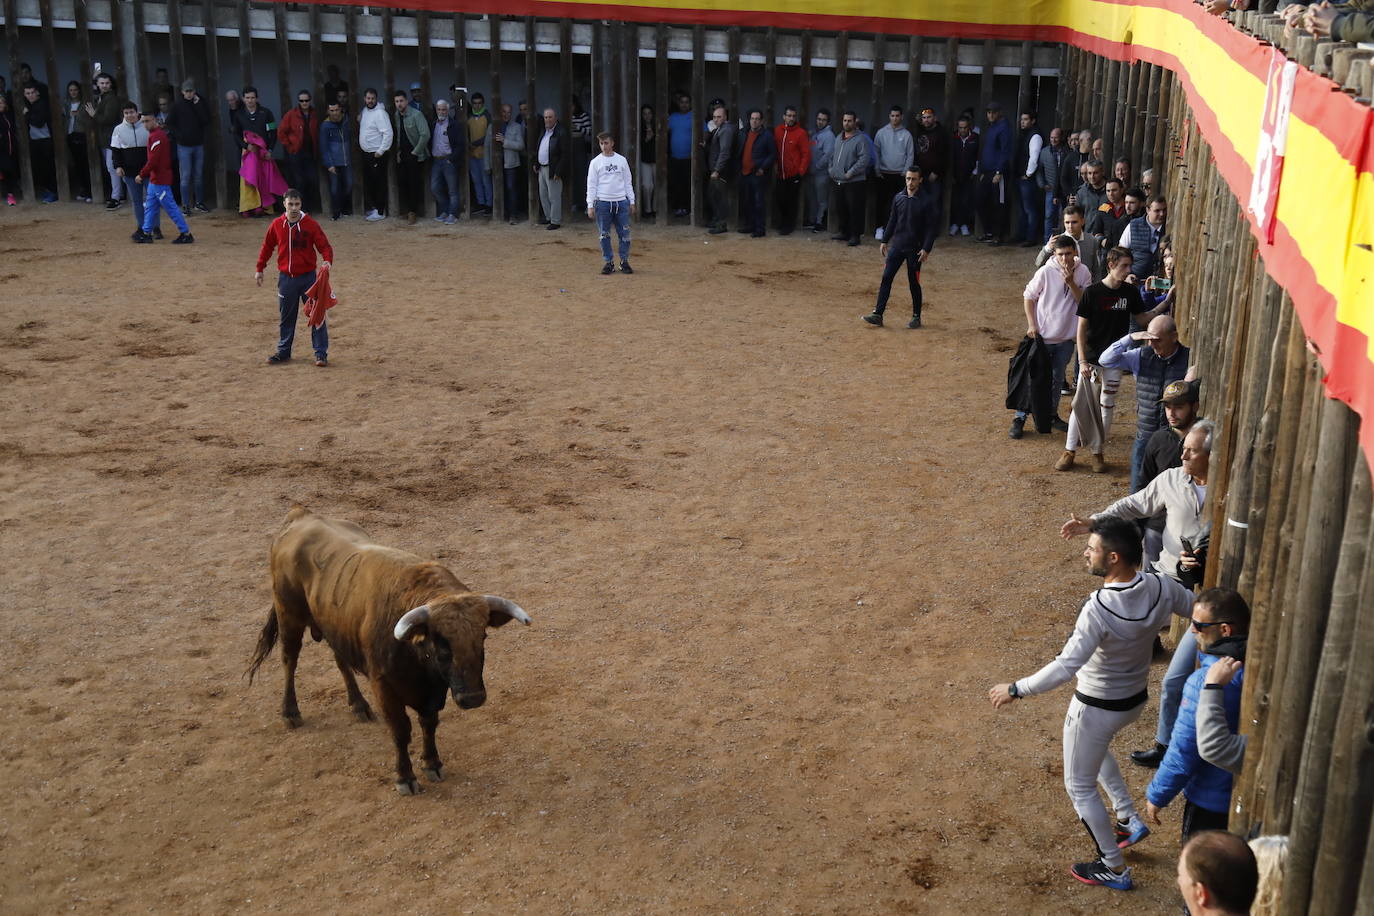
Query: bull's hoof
[[363, 713], [407, 787], [434, 773], [293, 721]]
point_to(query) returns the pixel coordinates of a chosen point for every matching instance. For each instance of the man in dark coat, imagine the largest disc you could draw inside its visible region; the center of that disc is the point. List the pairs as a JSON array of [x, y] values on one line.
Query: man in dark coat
[[908, 237]]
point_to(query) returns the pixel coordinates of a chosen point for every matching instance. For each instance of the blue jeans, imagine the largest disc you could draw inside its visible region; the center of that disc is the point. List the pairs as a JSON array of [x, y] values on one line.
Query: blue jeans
[[1171, 693], [290, 292], [1053, 223], [443, 184], [481, 181], [340, 190], [191, 160], [159, 197], [1030, 209], [617, 212], [134, 191], [1060, 353], [1138, 458]]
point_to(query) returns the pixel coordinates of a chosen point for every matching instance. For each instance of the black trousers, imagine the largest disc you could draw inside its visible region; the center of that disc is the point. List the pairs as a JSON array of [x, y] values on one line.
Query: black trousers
[[719, 191], [679, 184], [78, 169], [1196, 820], [754, 209], [894, 262], [963, 203], [410, 185], [849, 202], [992, 205], [788, 194], [888, 186], [44, 165], [374, 182]]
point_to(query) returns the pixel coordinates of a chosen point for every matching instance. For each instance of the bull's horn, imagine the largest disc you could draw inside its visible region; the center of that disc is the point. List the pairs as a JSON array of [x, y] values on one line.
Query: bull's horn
[[508, 607], [412, 619]]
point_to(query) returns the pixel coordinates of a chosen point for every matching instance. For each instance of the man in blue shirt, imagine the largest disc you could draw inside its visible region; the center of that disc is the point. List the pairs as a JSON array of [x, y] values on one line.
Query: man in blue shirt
[[994, 164], [680, 156], [1221, 620]]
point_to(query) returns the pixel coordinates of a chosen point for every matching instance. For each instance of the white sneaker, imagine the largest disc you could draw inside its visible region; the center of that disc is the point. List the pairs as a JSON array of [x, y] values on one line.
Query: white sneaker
[[373, 216], [878, 234], [963, 230], [953, 229]]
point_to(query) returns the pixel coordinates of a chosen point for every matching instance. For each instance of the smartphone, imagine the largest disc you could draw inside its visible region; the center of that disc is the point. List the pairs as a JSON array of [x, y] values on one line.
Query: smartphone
[[1159, 283], [1187, 545]]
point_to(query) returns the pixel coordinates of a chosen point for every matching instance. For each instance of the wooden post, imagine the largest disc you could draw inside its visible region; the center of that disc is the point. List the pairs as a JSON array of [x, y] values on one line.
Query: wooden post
[[95, 164], [460, 104], [876, 108], [424, 59], [1120, 95], [698, 114], [565, 99], [1333, 668], [57, 103], [285, 93], [1024, 84], [1139, 117], [21, 123], [841, 76], [534, 124], [662, 108], [806, 116], [355, 104], [317, 93], [1126, 105], [216, 169], [245, 42], [176, 45], [1161, 161], [913, 75], [735, 40], [496, 158], [951, 78], [985, 94], [393, 187], [141, 55], [770, 78]]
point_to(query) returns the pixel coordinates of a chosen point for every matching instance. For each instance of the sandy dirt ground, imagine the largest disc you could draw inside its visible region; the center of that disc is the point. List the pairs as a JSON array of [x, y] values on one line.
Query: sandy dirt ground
[[775, 558]]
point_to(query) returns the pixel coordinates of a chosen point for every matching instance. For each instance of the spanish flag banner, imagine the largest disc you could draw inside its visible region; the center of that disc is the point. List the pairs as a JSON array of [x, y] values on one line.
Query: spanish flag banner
[[1317, 240]]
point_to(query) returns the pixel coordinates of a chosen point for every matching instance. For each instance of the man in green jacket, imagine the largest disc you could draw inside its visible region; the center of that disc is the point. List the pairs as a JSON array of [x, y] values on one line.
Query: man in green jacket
[[412, 149]]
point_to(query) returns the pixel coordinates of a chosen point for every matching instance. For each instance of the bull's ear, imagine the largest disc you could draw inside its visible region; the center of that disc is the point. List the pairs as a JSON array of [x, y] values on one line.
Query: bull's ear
[[503, 611], [413, 625]]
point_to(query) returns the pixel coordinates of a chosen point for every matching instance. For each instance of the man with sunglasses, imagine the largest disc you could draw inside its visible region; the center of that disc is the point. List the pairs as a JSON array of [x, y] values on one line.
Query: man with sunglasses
[[1109, 652], [1220, 623]]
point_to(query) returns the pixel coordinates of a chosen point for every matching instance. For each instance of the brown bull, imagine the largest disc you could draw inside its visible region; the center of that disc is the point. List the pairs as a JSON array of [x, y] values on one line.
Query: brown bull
[[407, 624]]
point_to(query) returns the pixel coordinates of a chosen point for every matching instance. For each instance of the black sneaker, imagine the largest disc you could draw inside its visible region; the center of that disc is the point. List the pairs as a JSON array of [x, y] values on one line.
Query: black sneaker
[[142, 237], [552, 226], [874, 319], [278, 358], [625, 267], [1059, 425], [185, 238], [113, 204], [1150, 759], [914, 323], [202, 208], [1099, 873], [157, 234], [607, 269], [717, 230], [1018, 427]]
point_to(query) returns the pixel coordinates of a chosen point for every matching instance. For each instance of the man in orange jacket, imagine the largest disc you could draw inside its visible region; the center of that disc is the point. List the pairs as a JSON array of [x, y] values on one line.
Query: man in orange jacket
[[296, 237]]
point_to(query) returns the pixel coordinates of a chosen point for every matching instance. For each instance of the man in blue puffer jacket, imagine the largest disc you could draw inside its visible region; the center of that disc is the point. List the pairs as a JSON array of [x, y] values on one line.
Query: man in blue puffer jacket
[[1221, 621]]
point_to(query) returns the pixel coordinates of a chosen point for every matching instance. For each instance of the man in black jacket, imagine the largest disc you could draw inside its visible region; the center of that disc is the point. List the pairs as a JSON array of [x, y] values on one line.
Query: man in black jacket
[[257, 118], [756, 157], [550, 160], [908, 237], [186, 122], [41, 151]]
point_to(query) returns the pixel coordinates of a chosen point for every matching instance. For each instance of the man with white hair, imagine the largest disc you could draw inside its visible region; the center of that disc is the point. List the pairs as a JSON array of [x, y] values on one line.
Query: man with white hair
[[1154, 366]]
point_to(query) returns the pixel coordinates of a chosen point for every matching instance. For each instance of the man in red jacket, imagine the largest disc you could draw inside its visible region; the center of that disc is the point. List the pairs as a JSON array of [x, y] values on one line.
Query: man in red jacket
[[157, 172], [296, 237], [299, 134], [794, 161]]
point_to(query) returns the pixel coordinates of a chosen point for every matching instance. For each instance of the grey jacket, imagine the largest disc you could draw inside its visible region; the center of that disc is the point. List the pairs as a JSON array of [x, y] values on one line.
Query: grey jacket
[[1216, 743], [850, 162], [720, 150], [1170, 493], [514, 144]]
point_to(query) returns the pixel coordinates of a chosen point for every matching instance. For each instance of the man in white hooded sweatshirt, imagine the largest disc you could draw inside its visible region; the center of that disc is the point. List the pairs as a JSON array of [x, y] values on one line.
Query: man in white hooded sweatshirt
[[1109, 651], [611, 201]]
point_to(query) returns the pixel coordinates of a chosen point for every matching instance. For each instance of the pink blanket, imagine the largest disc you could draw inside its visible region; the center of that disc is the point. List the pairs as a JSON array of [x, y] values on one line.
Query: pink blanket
[[258, 170]]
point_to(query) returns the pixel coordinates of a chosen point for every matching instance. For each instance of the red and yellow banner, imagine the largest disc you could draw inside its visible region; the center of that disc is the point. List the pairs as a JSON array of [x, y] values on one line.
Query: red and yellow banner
[[1323, 221]]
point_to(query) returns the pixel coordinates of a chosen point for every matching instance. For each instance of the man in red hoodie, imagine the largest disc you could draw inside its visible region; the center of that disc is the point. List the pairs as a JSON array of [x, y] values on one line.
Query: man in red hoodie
[[794, 161], [157, 173], [296, 237]]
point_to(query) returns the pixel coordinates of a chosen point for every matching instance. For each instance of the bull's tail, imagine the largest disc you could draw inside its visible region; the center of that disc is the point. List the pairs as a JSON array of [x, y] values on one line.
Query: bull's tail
[[266, 640]]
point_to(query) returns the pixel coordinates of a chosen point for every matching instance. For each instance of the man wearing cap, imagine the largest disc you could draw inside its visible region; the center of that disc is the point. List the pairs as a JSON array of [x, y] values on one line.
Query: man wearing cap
[[417, 100], [1161, 361], [186, 122], [994, 165], [1164, 449]]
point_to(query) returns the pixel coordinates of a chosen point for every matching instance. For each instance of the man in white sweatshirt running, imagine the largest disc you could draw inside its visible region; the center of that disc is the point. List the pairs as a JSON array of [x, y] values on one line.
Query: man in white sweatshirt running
[[611, 200], [1109, 651]]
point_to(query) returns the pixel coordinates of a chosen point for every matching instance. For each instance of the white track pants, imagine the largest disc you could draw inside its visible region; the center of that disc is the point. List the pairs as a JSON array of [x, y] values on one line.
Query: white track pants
[[1088, 761]]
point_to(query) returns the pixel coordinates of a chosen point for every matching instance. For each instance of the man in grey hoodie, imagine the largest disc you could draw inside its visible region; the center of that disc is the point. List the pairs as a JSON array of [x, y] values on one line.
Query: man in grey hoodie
[[1109, 651], [849, 171]]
